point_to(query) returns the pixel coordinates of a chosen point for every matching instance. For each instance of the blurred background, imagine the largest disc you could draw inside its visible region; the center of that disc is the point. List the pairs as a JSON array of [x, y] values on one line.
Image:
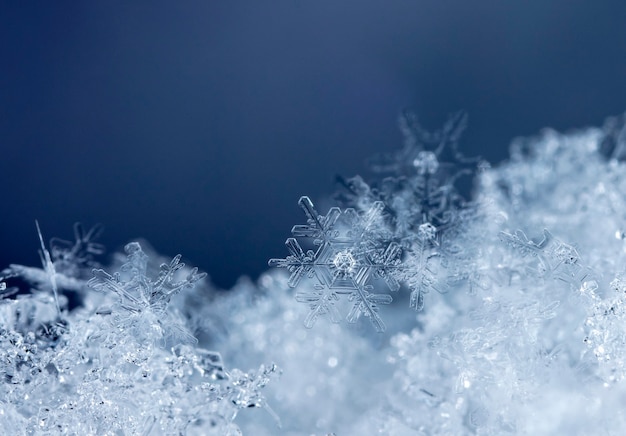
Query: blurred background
[[197, 125]]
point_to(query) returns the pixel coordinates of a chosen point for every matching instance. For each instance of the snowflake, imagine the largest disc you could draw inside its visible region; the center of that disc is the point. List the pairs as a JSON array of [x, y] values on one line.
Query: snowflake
[[420, 274], [425, 152], [141, 301], [419, 192], [556, 259], [350, 256], [71, 258]]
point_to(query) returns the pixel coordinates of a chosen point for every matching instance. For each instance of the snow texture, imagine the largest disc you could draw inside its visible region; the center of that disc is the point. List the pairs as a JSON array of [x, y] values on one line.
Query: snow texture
[[524, 333]]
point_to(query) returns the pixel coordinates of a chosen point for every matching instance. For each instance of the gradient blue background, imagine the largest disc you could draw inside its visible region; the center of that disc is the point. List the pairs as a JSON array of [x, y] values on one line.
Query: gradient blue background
[[198, 124]]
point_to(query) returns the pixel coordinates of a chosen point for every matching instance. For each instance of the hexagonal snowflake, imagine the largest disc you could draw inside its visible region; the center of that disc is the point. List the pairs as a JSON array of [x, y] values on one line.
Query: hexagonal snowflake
[[350, 256]]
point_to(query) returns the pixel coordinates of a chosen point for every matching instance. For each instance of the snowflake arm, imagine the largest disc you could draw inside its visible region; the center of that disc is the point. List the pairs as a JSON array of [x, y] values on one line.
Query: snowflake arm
[[245, 389], [366, 304], [48, 267], [420, 276], [386, 266], [299, 263], [81, 251], [417, 299], [318, 227], [102, 281], [165, 286], [523, 245], [321, 301]]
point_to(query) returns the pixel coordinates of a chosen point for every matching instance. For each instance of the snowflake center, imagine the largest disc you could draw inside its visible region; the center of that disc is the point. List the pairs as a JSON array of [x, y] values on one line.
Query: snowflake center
[[566, 254], [427, 231], [426, 162], [344, 262]]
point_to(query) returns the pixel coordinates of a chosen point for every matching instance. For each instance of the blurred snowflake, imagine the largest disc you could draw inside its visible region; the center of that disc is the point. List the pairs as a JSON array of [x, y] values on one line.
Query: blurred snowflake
[[70, 258], [555, 259]]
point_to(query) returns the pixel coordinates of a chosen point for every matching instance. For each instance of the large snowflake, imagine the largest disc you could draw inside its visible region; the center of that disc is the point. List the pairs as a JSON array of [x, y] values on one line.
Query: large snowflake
[[349, 255]]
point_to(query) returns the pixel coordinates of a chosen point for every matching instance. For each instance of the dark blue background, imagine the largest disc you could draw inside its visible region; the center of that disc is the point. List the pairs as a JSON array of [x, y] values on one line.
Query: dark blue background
[[199, 124]]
